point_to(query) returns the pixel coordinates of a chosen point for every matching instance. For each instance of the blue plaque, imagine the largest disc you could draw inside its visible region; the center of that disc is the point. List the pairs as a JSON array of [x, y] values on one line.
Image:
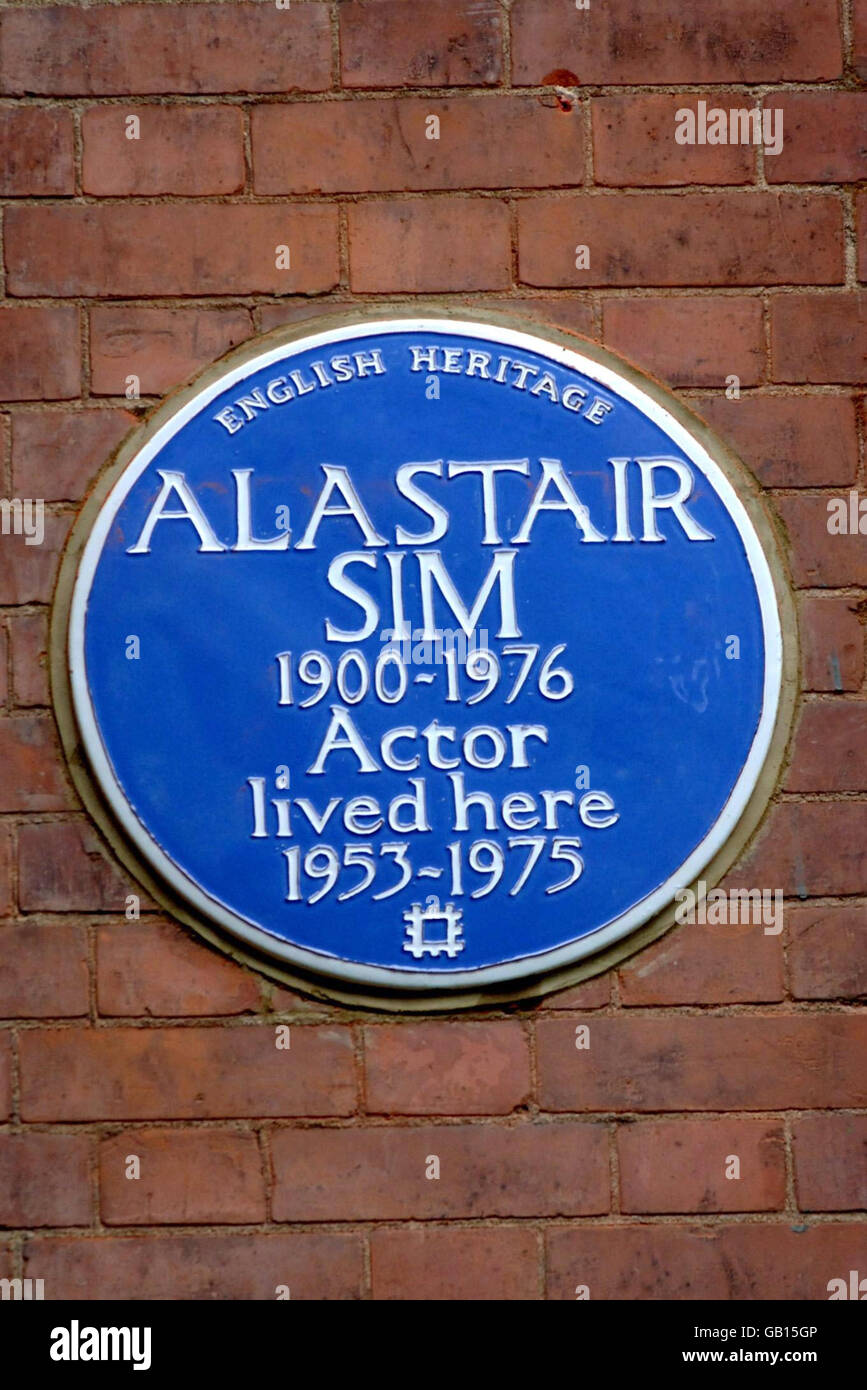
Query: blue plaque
[[426, 655]]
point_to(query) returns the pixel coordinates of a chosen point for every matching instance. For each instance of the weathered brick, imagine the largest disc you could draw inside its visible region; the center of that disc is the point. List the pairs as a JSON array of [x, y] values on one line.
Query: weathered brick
[[667, 42], [366, 1174], [452, 1263], [40, 349], [352, 146], [28, 572], [859, 38], [36, 152], [755, 238], [153, 968], [827, 959], [62, 868], [710, 964], [382, 43], [31, 762], [824, 138], [162, 347], [439, 244], [169, 249], [689, 342], [830, 1162], [819, 338], [141, 49], [44, 1180], [187, 1177], [788, 441], [191, 150], [791, 850], [830, 752], [712, 1062], [56, 453], [29, 647], [5, 1075], [43, 971], [832, 643], [819, 558], [682, 1165], [727, 1262], [634, 143], [7, 897], [177, 1073], [590, 994], [313, 1265], [446, 1068]]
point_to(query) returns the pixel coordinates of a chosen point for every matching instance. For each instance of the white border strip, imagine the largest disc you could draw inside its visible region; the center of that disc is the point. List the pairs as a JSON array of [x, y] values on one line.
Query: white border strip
[[396, 978]]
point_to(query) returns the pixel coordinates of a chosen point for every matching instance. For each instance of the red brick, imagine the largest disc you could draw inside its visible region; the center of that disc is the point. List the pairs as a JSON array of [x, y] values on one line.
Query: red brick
[[830, 752], [43, 971], [184, 1073], [438, 244], [450, 1263], [446, 1068], [290, 310], [707, 1062], [44, 1180], [156, 249], [791, 850], [7, 897], [315, 1265], [152, 968], [576, 315], [287, 1001], [788, 441], [665, 41], [832, 643], [820, 559], [28, 572], [830, 1162], [4, 667], [680, 1165], [383, 43], [823, 137], [591, 994], [187, 1177], [654, 239], [369, 146], [40, 350], [695, 964], [62, 868], [36, 152], [56, 453], [634, 143], [65, 50], [368, 1174], [191, 150], [5, 1075], [819, 338], [31, 762], [732, 1262], [859, 38], [861, 233], [689, 342], [826, 952], [29, 634], [162, 347]]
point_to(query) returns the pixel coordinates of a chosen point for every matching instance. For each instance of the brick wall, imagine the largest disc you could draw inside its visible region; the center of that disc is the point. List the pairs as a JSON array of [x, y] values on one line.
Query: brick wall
[[306, 126]]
